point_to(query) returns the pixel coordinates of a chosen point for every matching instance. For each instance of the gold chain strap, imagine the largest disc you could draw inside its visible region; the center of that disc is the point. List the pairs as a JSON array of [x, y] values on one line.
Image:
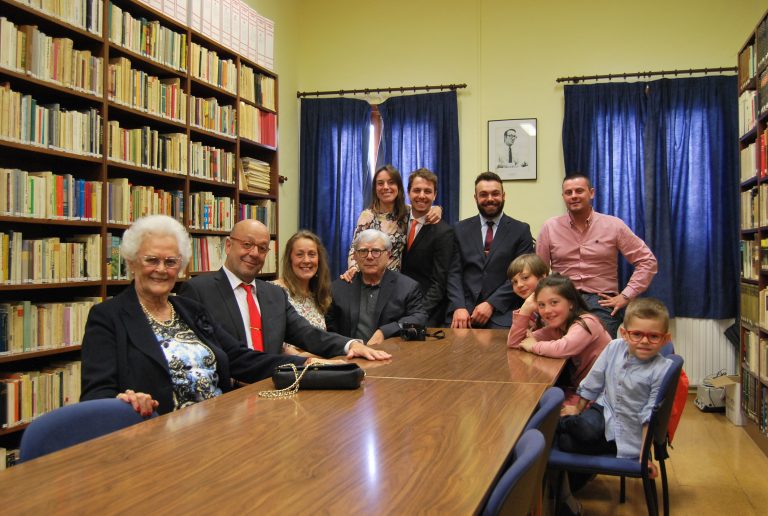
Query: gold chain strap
[[291, 389]]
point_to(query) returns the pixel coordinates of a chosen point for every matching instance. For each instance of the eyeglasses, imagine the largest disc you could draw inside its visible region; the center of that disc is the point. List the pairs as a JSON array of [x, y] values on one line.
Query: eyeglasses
[[170, 262], [248, 245], [636, 336], [362, 253]]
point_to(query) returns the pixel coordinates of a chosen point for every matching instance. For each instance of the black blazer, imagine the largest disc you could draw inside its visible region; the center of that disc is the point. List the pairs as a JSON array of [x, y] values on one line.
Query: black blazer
[[281, 322], [428, 261], [121, 352], [475, 278], [399, 302]]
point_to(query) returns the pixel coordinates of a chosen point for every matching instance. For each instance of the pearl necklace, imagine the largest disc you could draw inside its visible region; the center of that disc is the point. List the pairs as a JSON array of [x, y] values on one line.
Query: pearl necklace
[[165, 324]]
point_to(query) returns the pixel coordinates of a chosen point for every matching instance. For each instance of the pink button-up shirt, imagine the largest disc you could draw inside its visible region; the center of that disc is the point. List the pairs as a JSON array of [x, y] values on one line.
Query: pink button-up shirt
[[590, 258]]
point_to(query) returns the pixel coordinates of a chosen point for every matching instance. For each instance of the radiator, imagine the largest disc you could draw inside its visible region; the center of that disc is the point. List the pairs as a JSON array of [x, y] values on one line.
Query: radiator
[[703, 346]]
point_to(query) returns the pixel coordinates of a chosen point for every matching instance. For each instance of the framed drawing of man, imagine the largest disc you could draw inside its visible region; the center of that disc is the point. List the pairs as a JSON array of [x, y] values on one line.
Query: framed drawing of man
[[512, 148]]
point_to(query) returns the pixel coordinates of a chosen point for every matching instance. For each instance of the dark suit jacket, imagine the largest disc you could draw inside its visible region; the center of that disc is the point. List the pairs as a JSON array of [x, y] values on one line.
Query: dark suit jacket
[[399, 303], [281, 322], [121, 352], [476, 278], [428, 261]]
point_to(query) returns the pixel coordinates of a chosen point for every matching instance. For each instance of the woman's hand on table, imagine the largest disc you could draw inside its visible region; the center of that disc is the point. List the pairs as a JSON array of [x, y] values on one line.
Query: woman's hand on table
[[141, 402]]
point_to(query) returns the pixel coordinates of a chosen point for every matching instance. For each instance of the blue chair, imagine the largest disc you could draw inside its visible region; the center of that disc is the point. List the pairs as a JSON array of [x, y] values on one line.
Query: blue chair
[[512, 493], [73, 424], [668, 349], [655, 442]]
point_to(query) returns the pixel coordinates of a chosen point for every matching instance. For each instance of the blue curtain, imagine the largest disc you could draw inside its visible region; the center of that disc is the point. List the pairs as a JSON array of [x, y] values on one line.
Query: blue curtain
[[663, 157], [334, 171], [423, 131]]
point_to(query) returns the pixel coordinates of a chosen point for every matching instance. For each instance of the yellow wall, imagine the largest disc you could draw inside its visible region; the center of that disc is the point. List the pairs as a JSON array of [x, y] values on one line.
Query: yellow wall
[[509, 53]]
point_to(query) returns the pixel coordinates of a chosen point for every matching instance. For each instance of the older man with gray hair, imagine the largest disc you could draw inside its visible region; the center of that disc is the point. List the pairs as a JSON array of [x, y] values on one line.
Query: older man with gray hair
[[378, 301]]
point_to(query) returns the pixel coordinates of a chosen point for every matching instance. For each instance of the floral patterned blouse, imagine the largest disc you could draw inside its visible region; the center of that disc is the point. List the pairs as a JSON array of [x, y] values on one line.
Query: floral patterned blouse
[[306, 307], [386, 223]]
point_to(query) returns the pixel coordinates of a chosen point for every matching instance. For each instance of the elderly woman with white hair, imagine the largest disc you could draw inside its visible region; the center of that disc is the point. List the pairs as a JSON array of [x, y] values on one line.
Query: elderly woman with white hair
[[157, 351]]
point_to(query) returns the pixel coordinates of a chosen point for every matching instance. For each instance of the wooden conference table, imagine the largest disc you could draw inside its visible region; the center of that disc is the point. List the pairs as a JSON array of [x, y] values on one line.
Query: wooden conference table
[[427, 432]]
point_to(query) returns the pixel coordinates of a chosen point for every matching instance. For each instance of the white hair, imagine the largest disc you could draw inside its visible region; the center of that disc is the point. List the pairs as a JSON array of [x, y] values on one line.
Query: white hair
[[155, 225], [369, 235]]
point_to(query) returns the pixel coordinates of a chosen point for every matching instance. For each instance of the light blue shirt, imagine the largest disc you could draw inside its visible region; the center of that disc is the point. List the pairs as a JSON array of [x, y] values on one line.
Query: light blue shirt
[[626, 388]]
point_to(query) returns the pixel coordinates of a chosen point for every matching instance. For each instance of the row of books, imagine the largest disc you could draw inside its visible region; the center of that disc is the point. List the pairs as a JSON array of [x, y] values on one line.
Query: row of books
[[148, 38], [262, 210], [761, 50], [750, 304], [147, 147], [747, 111], [208, 114], [208, 162], [762, 95], [205, 64], [46, 195], [207, 211], [8, 457], [86, 14], [30, 394], [23, 120], [750, 391], [750, 209], [257, 87], [255, 175], [750, 259], [140, 90], [26, 49], [257, 125], [27, 326], [748, 162], [756, 354], [49, 260], [746, 66], [116, 266], [207, 253], [127, 202]]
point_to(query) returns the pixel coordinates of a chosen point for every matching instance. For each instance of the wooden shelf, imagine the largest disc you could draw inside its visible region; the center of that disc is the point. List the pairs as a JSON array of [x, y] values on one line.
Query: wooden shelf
[[28, 147], [54, 222], [91, 97], [15, 357], [48, 286]]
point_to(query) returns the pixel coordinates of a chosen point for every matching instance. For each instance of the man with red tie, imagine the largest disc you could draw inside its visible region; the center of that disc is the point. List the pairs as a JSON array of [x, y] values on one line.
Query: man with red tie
[[256, 312], [429, 247], [479, 293]]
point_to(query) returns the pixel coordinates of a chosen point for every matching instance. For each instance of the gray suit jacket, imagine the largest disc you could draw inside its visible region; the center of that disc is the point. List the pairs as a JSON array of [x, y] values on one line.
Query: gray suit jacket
[[281, 321], [475, 278], [399, 303]]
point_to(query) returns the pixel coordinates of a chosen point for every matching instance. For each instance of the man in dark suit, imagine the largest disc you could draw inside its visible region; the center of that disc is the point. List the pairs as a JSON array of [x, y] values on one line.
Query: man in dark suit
[[378, 301], [480, 295], [429, 247], [225, 294]]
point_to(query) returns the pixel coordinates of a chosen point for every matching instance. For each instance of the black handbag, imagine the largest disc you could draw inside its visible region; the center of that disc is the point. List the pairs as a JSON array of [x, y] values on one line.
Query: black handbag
[[289, 378]]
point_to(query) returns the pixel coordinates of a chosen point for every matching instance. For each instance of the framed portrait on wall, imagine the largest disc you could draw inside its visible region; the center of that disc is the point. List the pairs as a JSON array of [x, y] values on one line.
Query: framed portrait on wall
[[512, 148]]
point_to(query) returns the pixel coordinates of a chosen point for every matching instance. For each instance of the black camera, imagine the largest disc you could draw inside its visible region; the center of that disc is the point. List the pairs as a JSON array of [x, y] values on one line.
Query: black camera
[[411, 331]]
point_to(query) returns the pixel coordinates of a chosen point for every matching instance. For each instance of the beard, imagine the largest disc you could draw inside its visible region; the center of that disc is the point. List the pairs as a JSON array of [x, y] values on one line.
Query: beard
[[490, 210]]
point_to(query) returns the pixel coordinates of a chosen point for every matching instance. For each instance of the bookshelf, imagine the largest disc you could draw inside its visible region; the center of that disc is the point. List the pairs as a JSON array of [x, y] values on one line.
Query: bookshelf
[[113, 109], [753, 130]]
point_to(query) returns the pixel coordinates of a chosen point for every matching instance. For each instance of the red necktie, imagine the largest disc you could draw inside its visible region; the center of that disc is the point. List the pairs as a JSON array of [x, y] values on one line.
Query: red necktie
[[488, 237], [255, 319], [412, 233]]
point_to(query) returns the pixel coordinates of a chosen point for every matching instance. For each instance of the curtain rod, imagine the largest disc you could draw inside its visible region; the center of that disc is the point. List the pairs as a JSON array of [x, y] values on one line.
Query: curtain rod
[[401, 89], [645, 74]]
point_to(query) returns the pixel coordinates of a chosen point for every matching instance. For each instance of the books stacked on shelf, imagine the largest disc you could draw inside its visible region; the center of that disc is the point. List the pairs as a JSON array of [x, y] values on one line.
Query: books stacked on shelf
[[26, 49], [209, 212], [750, 209], [747, 111], [208, 114], [140, 90], [23, 120], [255, 176], [257, 88], [207, 253], [127, 202], [116, 266], [262, 210], [763, 92], [49, 260], [206, 65], [147, 38], [764, 257], [26, 395], [750, 304], [86, 14], [25, 326], [146, 147], [750, 259], [761, 49], [270, 261], [746, 66], [257, 125], [48, 196], [749, 394], [752, 351], [212, 163], [748, 162]]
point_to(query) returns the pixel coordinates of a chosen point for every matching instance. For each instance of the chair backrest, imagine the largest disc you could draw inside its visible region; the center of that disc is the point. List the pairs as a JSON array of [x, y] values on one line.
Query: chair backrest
[[668, 349], [73, 424], [547, 414], [665, 399], [512, 493]]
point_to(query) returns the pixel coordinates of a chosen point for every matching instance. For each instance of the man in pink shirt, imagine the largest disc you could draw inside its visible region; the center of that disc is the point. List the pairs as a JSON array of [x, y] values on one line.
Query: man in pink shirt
[[584, 245]]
